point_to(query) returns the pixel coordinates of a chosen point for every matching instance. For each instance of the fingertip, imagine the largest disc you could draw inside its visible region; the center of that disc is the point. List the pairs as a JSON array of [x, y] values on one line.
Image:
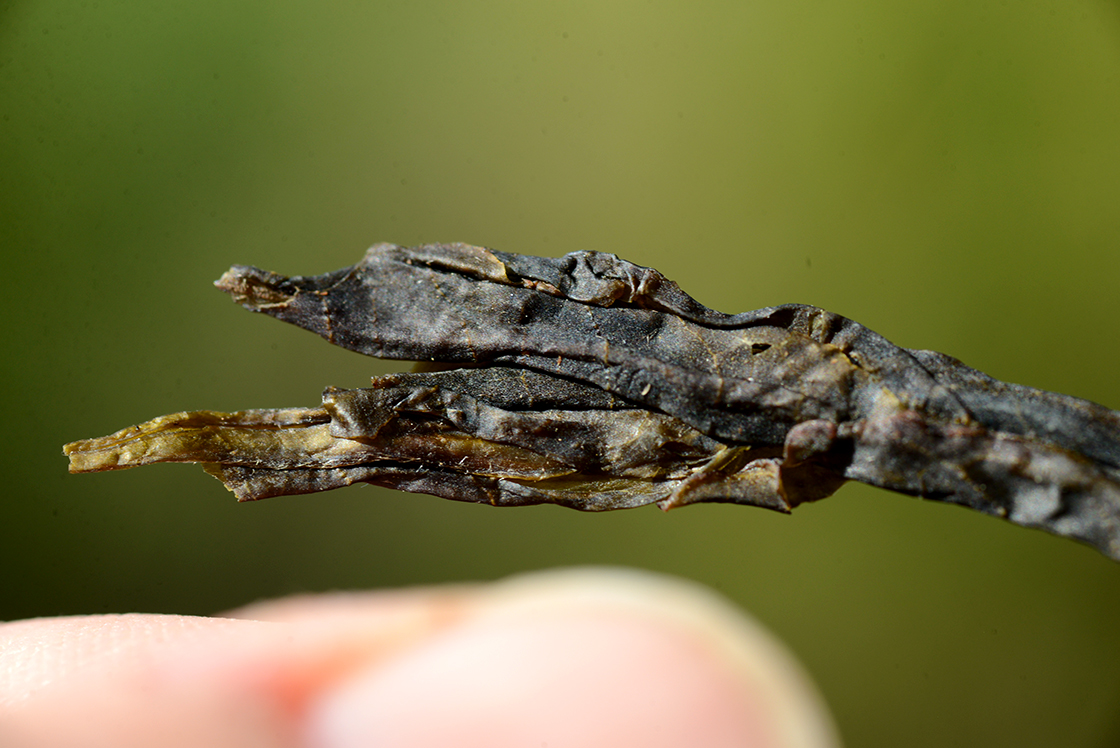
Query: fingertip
[[588, 657]]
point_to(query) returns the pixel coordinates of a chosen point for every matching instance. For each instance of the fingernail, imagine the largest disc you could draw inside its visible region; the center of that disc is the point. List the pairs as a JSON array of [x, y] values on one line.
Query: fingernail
[[588, 657]]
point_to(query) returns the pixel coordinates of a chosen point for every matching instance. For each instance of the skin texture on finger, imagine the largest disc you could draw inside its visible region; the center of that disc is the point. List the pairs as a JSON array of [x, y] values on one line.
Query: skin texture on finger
[[124, 680], [586, 657], [113, 680]]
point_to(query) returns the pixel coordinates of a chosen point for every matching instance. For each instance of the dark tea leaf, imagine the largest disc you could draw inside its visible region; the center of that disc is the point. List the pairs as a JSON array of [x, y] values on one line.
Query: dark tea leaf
[[594, 383]]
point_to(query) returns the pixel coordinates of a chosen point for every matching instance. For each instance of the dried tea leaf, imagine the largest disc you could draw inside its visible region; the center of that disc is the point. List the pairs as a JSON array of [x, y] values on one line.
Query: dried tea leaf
[[594, 383]]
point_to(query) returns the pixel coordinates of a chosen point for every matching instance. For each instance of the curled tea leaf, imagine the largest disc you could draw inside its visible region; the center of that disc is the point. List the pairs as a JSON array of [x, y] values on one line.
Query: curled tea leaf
[[594, 383]]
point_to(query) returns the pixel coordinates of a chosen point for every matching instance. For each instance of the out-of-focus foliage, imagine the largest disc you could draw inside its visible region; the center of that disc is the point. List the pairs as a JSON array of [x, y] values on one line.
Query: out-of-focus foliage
[[945, 172]]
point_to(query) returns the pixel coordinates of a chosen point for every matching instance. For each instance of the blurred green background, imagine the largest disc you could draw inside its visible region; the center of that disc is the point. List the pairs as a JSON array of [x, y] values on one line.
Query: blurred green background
[[946, 172]]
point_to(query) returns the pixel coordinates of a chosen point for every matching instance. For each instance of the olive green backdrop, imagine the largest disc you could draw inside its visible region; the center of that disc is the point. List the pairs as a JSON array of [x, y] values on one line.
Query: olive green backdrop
[[946, 172]]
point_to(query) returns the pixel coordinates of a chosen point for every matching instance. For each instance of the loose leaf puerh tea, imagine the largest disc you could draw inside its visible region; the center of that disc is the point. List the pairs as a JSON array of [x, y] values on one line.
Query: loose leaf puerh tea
[[594, 383]]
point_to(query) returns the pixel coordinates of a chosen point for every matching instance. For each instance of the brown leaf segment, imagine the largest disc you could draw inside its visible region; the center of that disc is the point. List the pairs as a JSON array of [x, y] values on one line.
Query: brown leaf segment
[[594, 383]]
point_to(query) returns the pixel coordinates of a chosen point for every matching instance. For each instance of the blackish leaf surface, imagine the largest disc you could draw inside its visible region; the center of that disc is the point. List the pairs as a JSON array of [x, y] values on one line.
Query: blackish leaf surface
[[594, 383]]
